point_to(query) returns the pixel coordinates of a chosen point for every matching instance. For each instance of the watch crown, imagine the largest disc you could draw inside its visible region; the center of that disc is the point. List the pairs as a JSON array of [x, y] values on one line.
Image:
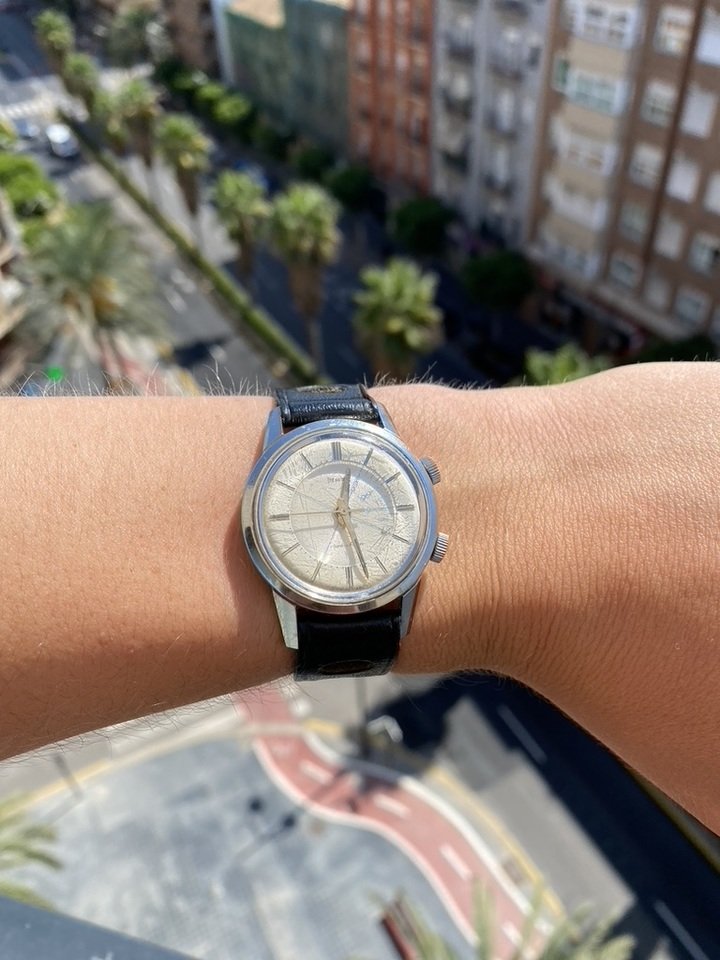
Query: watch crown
[[441, 545], [432, 469]]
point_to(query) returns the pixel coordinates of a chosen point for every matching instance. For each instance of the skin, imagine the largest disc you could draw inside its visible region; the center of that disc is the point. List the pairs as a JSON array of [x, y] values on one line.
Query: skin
[[584, 558]]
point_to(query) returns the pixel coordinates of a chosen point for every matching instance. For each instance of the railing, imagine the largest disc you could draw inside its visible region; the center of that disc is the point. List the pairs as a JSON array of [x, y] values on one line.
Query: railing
[[462, 108], [502, 185], [503, 126], [456, 159], [461, 50], [517, 8], [509, 67]]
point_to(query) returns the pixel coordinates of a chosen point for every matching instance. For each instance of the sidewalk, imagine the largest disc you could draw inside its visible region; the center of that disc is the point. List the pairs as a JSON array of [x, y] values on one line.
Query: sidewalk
[[311, 763]]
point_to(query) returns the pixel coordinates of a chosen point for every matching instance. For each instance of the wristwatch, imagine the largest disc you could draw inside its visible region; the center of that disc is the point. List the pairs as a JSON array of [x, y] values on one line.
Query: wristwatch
[[340, 519]]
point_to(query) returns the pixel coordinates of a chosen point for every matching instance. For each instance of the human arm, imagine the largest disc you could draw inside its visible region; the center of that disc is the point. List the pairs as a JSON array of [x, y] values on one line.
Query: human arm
[[584, 558]]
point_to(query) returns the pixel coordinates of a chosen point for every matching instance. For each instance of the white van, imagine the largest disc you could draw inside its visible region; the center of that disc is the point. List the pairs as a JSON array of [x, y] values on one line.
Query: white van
[[61, 141]]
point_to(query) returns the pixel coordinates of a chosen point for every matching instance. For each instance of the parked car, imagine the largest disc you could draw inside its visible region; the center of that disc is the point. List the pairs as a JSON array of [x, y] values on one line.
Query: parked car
[[26, 129], [61, 141]]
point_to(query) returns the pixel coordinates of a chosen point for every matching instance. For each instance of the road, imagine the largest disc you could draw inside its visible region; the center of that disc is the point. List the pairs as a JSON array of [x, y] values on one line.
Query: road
[[206, 344]]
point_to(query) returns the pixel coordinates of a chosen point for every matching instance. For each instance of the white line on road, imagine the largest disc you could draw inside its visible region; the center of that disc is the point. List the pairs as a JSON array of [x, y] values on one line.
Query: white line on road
[[182, 280], [456, 861], [176, 301], [315, 772], [672, 922], [529, 742], [390, 805]]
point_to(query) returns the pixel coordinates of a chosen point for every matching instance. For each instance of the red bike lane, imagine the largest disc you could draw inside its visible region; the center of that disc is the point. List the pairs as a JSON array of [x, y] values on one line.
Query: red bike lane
[[448, 852]]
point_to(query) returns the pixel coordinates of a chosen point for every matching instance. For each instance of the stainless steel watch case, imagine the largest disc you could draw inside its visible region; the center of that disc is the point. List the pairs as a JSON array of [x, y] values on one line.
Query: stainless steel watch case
[[289, 592]]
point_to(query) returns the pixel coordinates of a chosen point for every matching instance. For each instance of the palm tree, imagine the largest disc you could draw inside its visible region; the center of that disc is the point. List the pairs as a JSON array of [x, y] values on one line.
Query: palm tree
[[138, 105], [185, 148], [243, 210], [108, 113], [55, 35], [87, 279], [304, 231], [574, 938], [81, 78], [396, 320], [567, 363], [21, 843]]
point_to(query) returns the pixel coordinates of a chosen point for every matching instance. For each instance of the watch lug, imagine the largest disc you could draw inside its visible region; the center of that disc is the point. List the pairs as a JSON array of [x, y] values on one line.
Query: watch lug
[[287, 615], [273, 428], [407, 605], [385, 418]]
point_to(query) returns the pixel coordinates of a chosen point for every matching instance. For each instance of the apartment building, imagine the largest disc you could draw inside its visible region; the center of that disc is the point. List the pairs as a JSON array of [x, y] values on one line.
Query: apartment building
[[390, 89], [290, 57], [487, 67], [191, 29], [626, 212]]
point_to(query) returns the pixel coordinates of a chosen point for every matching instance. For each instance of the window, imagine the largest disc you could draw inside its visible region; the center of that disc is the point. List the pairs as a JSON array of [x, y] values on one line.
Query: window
[[683, 179], [634, 221], [596, 21], [645, 164], [673, 29], [699, 113], [712, 193], [595, 91], [708, 48], [705, 253], [561, 71], [691, 307], [657, 292], [659, 103], [624, 270], [670, 237]]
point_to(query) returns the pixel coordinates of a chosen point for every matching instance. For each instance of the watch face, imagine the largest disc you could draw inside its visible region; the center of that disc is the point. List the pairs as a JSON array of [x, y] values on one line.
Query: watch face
[[340, 516]]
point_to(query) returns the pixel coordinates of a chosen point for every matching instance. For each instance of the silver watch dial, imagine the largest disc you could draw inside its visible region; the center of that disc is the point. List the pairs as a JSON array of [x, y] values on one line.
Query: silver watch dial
[[340, 518]]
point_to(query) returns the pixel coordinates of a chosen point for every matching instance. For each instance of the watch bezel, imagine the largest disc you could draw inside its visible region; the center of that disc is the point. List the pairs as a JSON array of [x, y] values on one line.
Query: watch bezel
[[304, 594]]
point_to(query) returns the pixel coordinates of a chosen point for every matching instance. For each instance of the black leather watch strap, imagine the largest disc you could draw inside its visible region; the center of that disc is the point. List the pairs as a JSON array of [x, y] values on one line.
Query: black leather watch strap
[[353, 645], [308, 404]]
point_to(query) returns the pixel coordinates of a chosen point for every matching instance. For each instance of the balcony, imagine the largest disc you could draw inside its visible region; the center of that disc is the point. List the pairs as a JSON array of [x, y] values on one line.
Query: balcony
[[457, 106], [505, 127], [457, 160], [513, 8], [463, 51], [501, 185], [506, 66]]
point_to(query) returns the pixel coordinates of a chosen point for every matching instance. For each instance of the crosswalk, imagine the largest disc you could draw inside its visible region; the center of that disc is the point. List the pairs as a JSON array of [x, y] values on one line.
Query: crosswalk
[[39, 108]]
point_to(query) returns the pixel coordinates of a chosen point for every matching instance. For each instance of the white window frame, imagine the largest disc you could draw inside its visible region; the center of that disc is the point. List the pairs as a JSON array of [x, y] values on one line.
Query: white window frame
[[661, 284], [629, 261], [674, 227], [673, 17], [594, 21], [631, 225], [709, 107], [704, 254], [695, 323], [683, 179], [639, 171], [712, 193], [659, 102]]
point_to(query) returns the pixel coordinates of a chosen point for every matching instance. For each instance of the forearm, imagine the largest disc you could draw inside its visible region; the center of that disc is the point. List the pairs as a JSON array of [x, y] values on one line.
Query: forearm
[[583, 558]]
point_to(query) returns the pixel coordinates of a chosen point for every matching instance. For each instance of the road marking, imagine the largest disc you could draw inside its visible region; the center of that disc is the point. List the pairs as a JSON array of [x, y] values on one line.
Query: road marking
[[175, 300], [390, 805], [672, 922], [456, 861], [182, 280], [315, 772], [525, 738]]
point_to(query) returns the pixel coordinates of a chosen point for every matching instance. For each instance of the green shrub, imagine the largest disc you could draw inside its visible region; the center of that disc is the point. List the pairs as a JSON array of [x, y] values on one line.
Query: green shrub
[[235, 113], [31, 195], [420, 226], [206, 97], [352, 186], [12, 165], [8, 137], [313, 163], [499, 281], [271, 141]]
